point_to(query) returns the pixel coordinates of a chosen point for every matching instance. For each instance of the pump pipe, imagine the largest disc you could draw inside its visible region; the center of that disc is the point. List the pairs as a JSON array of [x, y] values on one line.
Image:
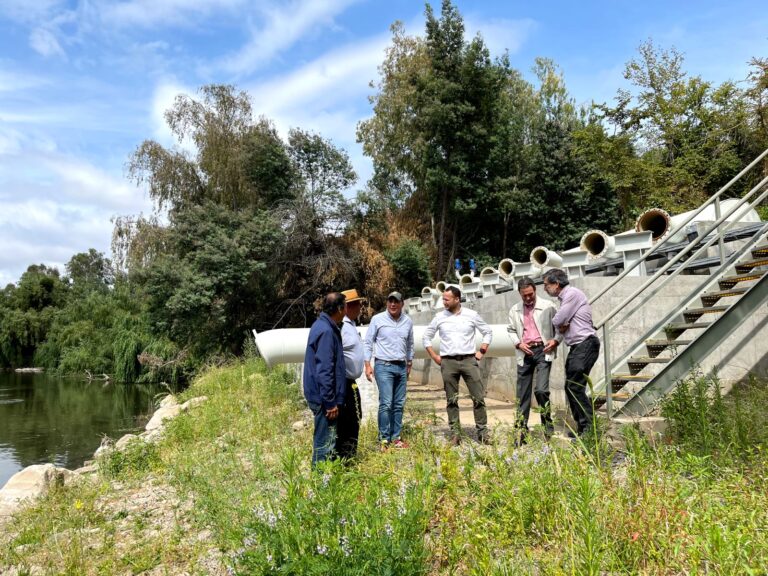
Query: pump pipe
[[288, 345]]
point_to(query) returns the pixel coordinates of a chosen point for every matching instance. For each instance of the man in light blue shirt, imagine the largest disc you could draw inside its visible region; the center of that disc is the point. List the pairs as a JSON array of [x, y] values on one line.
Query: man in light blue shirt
[[348, 426], [390, 341]]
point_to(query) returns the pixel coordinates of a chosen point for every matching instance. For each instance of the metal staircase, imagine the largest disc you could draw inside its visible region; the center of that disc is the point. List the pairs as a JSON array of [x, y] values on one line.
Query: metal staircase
[[650, 367]]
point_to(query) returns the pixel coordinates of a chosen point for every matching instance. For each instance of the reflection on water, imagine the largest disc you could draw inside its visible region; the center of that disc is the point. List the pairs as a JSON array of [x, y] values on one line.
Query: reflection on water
[[62, 420]]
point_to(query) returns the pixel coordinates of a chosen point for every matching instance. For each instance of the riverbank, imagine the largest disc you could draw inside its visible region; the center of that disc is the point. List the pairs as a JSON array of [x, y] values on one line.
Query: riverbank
[[228, 489]]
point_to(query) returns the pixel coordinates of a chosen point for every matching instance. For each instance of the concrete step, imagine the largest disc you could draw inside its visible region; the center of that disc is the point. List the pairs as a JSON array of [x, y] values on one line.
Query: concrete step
[[730, 281], [745, 267], [656, 347], [711, 298], [637, 363], [693, 314], [760, 251]]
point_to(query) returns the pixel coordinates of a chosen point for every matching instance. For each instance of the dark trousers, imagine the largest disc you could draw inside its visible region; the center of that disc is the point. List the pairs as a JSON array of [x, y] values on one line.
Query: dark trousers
[[581, 359], [525, 373], [348, 425], [452, 370]]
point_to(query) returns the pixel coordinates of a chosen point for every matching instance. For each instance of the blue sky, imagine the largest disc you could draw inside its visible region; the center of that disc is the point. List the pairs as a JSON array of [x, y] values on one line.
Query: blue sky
[[83, 82]]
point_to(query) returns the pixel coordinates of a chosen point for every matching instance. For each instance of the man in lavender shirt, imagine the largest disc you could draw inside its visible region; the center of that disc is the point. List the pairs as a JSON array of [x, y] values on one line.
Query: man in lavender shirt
[[574, 321]]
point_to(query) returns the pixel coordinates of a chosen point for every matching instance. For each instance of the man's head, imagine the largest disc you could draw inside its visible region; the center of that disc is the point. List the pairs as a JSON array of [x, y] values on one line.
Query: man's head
[[527, 290], [353, 304], [395, 304], [452, 299], [333, 305], [554, 281]]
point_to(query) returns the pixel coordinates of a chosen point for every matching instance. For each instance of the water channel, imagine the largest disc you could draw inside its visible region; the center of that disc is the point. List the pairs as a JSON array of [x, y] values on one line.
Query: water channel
[[62, 420]]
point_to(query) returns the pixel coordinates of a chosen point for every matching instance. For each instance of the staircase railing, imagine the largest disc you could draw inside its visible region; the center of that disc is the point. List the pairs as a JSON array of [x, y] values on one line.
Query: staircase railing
[[725, 262]]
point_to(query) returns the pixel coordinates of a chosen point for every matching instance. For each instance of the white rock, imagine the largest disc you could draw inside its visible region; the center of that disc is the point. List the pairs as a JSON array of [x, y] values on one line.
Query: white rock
[[28, 484], [299, 425], [165, 413], [123, 443], [193, 402], [169, 400]]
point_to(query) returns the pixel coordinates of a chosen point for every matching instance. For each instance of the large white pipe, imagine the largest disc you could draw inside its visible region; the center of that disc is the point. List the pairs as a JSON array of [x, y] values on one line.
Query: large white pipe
[[597, 244], [288, 345], [507, 268], [661, 224], [442, 286], [543, 257]]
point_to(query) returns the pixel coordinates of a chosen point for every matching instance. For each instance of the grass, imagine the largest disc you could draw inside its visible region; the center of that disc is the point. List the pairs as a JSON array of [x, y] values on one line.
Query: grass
[[239, 473]]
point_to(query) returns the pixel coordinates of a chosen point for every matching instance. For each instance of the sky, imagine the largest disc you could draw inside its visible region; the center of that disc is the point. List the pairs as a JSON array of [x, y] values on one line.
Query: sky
[[84, 82]]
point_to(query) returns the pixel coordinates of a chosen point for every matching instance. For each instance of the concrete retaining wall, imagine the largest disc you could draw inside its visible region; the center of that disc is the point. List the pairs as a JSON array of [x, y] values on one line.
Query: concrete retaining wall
[[743, 352]]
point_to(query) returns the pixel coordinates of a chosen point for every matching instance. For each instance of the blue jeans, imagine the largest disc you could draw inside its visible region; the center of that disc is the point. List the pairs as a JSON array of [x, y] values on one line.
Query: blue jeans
[[324, 436], [391, 379]]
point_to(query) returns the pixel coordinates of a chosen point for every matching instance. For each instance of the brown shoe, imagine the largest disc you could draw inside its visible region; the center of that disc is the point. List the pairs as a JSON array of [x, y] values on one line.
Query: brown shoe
[[455, 440]]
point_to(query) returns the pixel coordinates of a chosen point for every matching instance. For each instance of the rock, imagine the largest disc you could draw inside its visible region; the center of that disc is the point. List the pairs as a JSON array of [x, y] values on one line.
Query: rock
[[153, 435], [299, 425], [106, 446], [169, 400], [123, 443], [166, 412], [194, 402], [87, 469], [28, 484]]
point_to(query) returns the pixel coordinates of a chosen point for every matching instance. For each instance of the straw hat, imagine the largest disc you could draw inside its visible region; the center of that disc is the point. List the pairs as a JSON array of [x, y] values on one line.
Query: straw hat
[[351, 296]]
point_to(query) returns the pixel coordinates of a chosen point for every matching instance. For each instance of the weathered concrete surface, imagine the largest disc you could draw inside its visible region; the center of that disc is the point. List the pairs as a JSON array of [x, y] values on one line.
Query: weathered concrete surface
[[739, 355]]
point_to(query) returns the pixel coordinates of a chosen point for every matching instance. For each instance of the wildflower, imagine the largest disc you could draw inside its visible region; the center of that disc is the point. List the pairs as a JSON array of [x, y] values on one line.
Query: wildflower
[[231, 571], [545, 450], [326, 479], [388, 530], [345, 547], [78, 504], [401, 510], [383, 499], [249, 541], [322, 549], [403, 489], [343, 521], [310, 494]]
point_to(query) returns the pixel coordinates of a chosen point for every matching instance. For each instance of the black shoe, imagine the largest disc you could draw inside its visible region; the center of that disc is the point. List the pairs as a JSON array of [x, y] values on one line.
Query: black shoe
[[455, 440]]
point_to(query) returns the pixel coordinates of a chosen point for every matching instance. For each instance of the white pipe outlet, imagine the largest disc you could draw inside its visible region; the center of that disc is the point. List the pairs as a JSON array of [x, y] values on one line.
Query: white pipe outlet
[[544, 258], [661, 224], [597, 244], [442, 286], [507, 268], [288, 345], [527, 269]]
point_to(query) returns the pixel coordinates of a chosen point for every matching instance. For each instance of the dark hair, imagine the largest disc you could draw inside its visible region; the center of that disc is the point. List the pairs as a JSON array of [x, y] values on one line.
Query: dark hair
[[333, 302], [455, 291], [556, 276], [524, 282]]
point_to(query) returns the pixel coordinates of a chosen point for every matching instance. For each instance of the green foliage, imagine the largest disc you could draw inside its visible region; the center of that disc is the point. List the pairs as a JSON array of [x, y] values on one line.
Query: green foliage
[[706, 423], [410, 262], [135, 458]]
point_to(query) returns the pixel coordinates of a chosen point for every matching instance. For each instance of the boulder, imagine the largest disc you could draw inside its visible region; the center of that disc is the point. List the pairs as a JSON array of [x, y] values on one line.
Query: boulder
[[193, 402], [123, 443], [166, 412], [29, 484], [168, 400], [299, 425]]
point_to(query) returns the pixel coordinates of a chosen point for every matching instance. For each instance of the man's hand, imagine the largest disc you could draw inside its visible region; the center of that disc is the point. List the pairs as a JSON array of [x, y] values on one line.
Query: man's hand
[[435, 358], [368, 372], [332, 413], [408, 366], [551, 345], [525, 348]]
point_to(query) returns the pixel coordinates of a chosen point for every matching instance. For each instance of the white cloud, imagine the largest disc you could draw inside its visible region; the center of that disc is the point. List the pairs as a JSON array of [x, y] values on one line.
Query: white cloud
[[501, 34], [26, 11], [155, 13], [45, 43], [283, 26], [11, 81]]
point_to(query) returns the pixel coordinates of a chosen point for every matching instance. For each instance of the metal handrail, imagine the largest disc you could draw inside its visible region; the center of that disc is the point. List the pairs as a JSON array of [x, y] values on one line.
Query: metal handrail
[[685, 251], [695, 213]]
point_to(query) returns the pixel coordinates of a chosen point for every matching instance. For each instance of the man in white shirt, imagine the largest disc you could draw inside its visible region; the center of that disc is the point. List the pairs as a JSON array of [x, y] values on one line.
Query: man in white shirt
[[456, 327], [532, 333], [348, 423]]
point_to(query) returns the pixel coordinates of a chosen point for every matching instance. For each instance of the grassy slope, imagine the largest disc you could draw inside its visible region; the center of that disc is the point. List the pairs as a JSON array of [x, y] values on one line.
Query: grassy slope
[[233, 476]]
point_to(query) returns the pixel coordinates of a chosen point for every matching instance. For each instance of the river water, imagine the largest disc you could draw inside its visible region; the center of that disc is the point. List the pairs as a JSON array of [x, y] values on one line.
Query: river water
[[62, 420]]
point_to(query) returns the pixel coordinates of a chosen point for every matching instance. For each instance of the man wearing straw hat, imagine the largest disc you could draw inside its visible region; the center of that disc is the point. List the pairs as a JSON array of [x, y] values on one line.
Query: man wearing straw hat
[[348, 425]]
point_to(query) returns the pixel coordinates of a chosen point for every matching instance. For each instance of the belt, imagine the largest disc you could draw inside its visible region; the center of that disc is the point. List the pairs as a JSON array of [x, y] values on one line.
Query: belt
[[459, 356], [535, 344], [395, 362]]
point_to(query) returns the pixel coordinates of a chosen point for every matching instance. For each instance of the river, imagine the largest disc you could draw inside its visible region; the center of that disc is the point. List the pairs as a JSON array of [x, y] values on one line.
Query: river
[[62, 420]]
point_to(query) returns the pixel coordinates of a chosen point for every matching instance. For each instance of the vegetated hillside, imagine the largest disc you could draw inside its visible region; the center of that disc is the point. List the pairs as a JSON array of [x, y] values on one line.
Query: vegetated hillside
[[229, 490]]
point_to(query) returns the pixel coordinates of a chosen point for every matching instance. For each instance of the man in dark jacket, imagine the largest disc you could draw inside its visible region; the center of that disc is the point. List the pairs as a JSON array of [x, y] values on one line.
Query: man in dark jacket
[[325, 375]]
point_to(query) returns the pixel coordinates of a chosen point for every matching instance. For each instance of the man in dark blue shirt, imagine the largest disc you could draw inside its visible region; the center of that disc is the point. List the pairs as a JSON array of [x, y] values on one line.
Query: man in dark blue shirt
[[325, 375]]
